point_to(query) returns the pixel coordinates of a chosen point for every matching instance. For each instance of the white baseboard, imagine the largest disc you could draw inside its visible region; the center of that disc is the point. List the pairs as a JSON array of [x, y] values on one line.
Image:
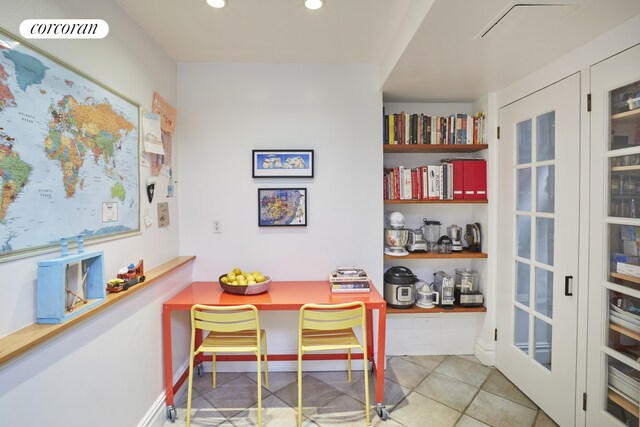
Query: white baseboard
[[156, 416], [486, 353]]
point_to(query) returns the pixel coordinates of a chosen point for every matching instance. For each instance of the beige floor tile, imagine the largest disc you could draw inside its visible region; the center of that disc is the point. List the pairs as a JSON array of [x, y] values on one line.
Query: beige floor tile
[[544, 420], [464, 370], [203, 383], [417, 410], [405, 373], [471, 358], [315, 394], [342, 411], [355, 388], [467, 421], [234, 396], [498, 384], [377, 422], [202, 414], [429, 362], [448, 391], [499, 412], [394, 393], [278, 380], [275, 413]]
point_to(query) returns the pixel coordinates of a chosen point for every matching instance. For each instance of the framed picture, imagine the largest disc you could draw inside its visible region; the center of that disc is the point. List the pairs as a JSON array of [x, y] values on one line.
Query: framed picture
[[282, 207], [282, 163]]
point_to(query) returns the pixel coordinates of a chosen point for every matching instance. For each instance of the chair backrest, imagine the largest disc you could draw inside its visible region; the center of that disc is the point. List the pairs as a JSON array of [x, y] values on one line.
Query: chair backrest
[[332, 316], [225, 318]]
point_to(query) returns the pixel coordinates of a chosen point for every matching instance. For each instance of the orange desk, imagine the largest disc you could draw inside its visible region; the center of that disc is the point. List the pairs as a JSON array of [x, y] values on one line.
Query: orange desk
[[281, 296]]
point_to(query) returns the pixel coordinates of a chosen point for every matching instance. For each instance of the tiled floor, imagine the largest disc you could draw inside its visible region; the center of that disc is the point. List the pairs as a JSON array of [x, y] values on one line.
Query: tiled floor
[[420, 391]]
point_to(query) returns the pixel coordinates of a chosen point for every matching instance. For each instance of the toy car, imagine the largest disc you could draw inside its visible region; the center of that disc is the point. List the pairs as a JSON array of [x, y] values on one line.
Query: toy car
[[127, 277]]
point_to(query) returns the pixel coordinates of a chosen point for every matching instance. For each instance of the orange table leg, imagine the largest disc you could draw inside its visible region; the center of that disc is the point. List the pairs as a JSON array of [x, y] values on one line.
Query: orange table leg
[[382, 329], [370, 353], [168, 362]]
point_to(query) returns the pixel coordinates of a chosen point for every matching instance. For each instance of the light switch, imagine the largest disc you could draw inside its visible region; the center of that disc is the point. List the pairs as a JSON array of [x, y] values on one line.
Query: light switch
[[216, 225]]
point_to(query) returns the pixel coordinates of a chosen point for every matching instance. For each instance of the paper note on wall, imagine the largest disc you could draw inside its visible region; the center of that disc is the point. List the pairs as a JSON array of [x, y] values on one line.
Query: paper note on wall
[[163, 214], [152, 133]]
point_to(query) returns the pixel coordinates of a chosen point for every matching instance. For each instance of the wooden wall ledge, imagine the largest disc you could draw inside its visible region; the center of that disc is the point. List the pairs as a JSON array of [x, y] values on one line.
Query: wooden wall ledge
[[27, 338]]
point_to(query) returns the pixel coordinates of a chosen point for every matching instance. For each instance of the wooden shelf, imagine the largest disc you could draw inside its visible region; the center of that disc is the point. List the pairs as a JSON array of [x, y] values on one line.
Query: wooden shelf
[[432, 255], [25, 339], [625, 277], [624, 331], [428, 201], [623, 402], [434, 148], [629, 168], [627, 116], [419, 310]]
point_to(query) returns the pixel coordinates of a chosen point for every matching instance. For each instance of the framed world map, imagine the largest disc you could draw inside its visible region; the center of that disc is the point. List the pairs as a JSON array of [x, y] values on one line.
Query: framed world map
[[69, 154]]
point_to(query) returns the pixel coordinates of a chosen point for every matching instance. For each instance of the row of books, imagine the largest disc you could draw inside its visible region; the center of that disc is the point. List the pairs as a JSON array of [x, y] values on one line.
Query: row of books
[[451, 179], [405, 128], [349, 279]]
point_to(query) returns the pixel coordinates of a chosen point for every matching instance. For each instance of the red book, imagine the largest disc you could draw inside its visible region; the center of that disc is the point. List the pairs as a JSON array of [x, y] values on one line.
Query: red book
[[458, 179], [469, 179], [396, 183], [481, 179], [414, 184]]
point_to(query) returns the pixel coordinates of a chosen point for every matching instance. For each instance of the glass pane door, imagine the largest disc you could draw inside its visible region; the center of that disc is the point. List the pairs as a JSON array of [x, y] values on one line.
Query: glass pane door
[[534, 219], [622, 345]]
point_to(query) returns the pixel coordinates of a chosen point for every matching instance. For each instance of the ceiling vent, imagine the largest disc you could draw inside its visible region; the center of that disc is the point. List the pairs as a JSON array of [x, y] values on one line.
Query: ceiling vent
[[526, 21]]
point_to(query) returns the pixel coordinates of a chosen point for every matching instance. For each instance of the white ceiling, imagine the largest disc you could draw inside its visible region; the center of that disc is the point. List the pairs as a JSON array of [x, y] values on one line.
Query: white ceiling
[[427, 50]]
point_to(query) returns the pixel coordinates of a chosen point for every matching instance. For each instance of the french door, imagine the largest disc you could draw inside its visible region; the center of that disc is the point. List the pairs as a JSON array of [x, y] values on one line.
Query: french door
[[538, 246], [613, 357]]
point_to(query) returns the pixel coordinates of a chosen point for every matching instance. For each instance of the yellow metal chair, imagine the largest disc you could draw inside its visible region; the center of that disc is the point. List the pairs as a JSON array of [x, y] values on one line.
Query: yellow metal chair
[[329, 327], [231, 329]]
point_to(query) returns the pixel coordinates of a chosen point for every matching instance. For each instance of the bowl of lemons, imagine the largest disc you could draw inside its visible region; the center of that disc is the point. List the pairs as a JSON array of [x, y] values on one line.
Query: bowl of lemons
[[244, 283]]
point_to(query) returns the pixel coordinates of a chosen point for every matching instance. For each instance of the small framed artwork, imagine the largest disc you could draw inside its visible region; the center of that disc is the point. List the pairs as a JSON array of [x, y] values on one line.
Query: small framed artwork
[[283, 163], [282, 207]]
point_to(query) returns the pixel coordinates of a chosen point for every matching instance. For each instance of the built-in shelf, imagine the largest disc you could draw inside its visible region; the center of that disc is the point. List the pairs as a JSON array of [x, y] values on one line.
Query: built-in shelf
[[626, 117], [624, 331], [427, 201], [419, 310], [434, 148], [435, 255], [624, 403]]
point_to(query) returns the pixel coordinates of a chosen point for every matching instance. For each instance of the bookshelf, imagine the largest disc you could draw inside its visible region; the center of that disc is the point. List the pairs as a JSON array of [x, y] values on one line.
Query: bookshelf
[[399, 153]]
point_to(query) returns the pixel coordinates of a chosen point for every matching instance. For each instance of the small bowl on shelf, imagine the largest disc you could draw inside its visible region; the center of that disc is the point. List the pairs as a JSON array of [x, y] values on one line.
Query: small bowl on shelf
[[258, 288], [634, 103]]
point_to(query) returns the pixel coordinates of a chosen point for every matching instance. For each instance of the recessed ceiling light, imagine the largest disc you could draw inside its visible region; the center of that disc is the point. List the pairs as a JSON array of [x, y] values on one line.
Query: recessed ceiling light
[[313, 4], [218, 4]]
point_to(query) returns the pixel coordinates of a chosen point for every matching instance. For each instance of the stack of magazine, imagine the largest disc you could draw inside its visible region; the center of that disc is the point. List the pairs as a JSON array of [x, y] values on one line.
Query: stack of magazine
[[349, 279]]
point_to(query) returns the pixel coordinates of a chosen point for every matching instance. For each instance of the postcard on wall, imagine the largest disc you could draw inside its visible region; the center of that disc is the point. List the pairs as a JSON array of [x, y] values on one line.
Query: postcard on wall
[[167, 113], [163, 214]]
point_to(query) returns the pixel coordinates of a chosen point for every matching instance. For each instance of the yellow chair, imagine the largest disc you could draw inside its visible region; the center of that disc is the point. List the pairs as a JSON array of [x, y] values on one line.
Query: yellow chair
[[329, 327], [231, 329]]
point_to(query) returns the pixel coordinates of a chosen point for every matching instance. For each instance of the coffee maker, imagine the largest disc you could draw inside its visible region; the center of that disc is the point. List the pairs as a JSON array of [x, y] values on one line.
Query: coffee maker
[[444, 285], [416, 241]]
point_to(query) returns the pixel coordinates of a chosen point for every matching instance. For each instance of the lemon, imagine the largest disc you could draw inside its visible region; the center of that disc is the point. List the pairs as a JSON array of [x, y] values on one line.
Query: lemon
[[251, 282], [234, 283], [224, 279], [250, 277], [256, 273], [240, 277], [237, 271], [231, 276], [260, 278]]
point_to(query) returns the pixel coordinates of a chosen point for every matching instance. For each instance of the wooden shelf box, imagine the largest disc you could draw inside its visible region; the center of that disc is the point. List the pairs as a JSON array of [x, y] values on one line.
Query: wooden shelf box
[[51, 297]]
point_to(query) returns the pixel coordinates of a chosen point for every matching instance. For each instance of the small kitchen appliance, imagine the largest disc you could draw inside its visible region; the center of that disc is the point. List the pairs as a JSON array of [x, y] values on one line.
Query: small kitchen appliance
[[455, 234], [396, 236], [426, 297], [431, 233], [399, 287], [443, 284], [466, 288], [473, 237], [416, 241]]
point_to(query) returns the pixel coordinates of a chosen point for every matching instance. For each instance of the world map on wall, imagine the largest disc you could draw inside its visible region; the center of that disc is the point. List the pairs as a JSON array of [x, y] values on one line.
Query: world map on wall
[[68, 153]]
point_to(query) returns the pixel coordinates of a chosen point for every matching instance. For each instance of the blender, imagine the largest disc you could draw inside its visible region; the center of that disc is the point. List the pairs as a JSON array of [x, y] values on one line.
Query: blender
[[431, 233], [396, 236], [455, 234], [466, 288]]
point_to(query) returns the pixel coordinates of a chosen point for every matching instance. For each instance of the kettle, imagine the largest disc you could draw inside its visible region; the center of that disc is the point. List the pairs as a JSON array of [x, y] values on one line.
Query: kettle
[[425, 295]]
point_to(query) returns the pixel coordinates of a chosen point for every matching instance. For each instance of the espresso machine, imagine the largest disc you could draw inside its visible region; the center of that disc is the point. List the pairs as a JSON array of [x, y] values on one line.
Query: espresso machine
[[455, 234], [444, 285]]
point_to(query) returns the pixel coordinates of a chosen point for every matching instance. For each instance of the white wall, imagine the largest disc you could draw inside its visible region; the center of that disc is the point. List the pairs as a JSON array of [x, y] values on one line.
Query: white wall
[[228, 110], [72, 378]]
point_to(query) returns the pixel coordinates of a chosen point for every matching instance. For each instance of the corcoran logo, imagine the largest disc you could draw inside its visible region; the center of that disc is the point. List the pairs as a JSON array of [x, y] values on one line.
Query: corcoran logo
[[64, 29]]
